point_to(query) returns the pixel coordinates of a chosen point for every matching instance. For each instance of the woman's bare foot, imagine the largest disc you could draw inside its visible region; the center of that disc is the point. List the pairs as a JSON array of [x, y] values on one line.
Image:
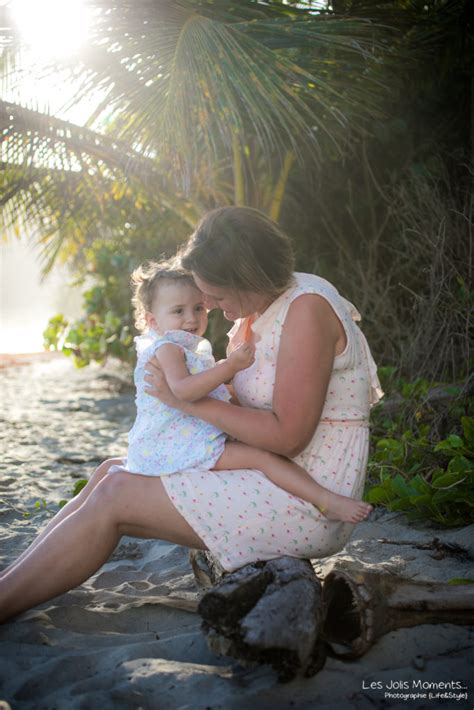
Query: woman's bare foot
[[336, 507]]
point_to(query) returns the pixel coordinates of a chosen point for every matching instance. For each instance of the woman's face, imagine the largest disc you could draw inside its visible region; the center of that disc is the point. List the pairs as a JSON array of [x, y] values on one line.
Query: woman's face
[[233, 304]]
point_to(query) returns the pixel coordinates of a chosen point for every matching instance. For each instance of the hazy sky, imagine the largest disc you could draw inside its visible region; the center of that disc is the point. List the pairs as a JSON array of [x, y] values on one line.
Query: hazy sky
[[26, 303]]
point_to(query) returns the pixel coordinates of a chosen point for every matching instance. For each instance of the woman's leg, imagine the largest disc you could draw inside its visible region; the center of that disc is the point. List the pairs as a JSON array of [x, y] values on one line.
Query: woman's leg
[[69, 508], [292, 478], [121, 504]]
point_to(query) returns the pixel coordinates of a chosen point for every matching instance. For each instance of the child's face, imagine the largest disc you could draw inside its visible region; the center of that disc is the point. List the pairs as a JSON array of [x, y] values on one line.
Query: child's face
[[177, 305]]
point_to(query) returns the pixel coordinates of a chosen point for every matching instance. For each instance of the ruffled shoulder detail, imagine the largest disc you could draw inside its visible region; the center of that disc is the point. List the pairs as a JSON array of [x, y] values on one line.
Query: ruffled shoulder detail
[[149, 342], [270, 323], [376, 392], [312, 284], [145, 341], [347, 312], [189, 341], [305, 284]]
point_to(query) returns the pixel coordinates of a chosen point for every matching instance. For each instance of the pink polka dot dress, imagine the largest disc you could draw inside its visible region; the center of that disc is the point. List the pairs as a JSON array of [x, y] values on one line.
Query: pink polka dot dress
[[241, 515]]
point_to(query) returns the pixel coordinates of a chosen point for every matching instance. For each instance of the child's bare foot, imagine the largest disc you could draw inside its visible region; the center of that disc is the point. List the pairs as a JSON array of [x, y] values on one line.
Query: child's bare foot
[[337, 507]]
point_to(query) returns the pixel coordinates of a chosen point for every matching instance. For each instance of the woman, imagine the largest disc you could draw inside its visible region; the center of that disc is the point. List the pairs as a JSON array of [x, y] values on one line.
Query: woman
[[307, 396]]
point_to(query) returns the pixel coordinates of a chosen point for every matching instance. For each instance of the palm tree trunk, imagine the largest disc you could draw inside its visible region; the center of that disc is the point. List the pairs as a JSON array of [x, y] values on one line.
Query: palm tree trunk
[[239, 181], [279, 191]]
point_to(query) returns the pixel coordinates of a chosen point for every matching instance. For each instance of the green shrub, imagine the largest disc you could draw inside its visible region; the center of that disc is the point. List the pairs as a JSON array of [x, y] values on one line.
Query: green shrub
[[416, 469]]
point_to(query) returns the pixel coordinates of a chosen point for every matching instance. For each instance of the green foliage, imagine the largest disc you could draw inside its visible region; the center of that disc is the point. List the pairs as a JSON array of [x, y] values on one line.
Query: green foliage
[[408, 390], [94, 337], [106, 329], [42, 504], [461, 580], [79, 485], [38, 507], [414, 470]]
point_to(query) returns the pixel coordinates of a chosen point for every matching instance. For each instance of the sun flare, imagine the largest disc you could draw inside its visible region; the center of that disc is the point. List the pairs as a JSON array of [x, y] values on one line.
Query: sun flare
[[52, 28]]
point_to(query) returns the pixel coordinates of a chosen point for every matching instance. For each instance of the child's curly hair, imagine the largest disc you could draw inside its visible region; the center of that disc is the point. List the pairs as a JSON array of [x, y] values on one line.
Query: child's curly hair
[[145, 280]]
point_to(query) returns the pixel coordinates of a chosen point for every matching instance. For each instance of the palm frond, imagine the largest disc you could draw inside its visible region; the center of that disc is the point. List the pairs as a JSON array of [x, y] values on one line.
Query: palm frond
[[66, 182], [194, 100], [32, 140], [186, 75]]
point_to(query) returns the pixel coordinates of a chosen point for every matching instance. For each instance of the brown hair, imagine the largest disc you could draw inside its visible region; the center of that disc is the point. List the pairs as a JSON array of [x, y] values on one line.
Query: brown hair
[[240, 248], [145, 280]]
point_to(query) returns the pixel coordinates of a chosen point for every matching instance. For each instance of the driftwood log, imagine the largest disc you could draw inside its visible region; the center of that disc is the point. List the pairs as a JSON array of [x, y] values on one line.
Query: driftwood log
[[279, 612], [267, 612], [360, 606]]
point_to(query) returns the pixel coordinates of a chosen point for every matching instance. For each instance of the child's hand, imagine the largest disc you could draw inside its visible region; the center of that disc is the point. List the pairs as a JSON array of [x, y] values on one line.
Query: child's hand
[[242, 356]]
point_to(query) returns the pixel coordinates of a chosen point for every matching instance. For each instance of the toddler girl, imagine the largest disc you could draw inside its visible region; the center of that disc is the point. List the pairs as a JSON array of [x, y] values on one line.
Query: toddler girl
[[171, 313]]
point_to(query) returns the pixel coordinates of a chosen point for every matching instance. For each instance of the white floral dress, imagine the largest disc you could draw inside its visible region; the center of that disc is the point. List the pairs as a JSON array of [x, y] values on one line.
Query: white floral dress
[[163, 440], [241, 515]]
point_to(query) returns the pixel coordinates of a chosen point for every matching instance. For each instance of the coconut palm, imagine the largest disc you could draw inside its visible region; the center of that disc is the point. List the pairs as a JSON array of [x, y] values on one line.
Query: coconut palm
[[198, 104]]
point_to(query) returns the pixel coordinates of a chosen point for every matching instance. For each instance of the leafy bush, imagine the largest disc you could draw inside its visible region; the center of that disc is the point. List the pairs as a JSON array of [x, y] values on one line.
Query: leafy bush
[[417, 466], [106, 328], [91, 338]]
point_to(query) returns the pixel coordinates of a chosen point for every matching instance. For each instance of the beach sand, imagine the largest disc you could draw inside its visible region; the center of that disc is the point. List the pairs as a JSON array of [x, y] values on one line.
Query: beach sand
[[129, 638]]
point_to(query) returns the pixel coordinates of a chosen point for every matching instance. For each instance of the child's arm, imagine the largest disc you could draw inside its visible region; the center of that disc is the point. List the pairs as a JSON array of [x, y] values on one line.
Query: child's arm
[[188, 387]]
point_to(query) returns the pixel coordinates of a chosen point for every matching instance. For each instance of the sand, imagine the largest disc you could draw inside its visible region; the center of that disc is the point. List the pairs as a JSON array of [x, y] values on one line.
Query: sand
[[130, 638]]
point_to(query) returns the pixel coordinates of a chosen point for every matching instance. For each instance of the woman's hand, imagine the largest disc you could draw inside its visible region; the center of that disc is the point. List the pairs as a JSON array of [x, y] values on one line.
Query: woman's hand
[[157, 385]]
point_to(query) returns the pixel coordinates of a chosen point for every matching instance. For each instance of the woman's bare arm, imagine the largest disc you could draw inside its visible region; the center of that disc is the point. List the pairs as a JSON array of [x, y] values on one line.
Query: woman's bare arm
[[310, 336]]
